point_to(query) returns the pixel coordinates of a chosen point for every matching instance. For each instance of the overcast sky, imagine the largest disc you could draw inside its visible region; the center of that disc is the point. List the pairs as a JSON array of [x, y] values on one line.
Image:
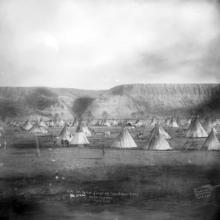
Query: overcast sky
[[97, 44]]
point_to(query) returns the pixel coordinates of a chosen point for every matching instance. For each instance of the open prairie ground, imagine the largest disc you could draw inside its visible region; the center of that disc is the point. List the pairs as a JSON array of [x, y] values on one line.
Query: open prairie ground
[[99, 182]]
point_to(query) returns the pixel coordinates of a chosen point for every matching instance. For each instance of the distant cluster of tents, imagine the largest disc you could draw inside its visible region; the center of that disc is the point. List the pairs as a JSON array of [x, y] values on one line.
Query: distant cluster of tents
[[37, 128], [157, 140], [28, 124]]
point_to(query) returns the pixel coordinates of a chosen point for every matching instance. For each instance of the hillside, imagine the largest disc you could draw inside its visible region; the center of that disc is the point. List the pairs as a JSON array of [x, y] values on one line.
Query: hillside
[[158, 99], [125, 101]]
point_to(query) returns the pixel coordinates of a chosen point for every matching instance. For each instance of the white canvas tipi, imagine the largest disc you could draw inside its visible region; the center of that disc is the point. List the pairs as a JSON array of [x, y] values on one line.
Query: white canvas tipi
[[160, 129], [36, 129], [115, 123], [212, 142], [107, 133], [42, 124], [153, 122], [27, 126], [188, 122], [107, 123], [79, 138], [157, 141], [173, 123], [86, 131], [196, 130], [51, 123], [167, 122], [125, 140]]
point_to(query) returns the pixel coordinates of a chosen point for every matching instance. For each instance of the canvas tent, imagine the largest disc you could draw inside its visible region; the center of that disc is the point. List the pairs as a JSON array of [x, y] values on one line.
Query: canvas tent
[[211, 142], [107, 133], [60, 123], [125, 140], [161, 130], [139, 123], [107, 123], [65, 134], [157, 141], [42, 124], [189, 121], [196, 130], [79, 138], [36, 129], [173, 123], [167, 122], [27, 125], [153, 122], [86, 131], [115, 123], [51, 123]]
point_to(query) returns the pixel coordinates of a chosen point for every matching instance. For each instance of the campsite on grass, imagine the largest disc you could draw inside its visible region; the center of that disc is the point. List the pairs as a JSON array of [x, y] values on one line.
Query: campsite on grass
[[76, 165]]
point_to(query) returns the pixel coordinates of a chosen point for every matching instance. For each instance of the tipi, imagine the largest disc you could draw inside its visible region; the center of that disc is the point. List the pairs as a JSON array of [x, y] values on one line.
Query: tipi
[[107, 134], [161, 130], [51, 123], [153, 122], [27, 125], [107, 123], [157, 141], [64, 134], [125, 140], [167, 122], [86, 131], [42, 123], [196, 130], [173, 123], [36, 129], [79, 138], [114, 123], [212, 142]]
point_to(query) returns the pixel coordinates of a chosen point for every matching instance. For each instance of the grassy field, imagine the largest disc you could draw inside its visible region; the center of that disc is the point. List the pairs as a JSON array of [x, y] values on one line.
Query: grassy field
[[33, 187], [97, 182]]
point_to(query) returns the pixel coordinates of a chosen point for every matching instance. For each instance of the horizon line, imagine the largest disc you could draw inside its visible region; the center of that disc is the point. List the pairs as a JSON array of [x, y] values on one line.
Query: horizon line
[[126, 84]]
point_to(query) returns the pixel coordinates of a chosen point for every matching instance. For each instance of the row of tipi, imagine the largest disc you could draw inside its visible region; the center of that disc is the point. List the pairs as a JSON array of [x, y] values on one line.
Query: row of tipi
[[157, 140], [158, 137]]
